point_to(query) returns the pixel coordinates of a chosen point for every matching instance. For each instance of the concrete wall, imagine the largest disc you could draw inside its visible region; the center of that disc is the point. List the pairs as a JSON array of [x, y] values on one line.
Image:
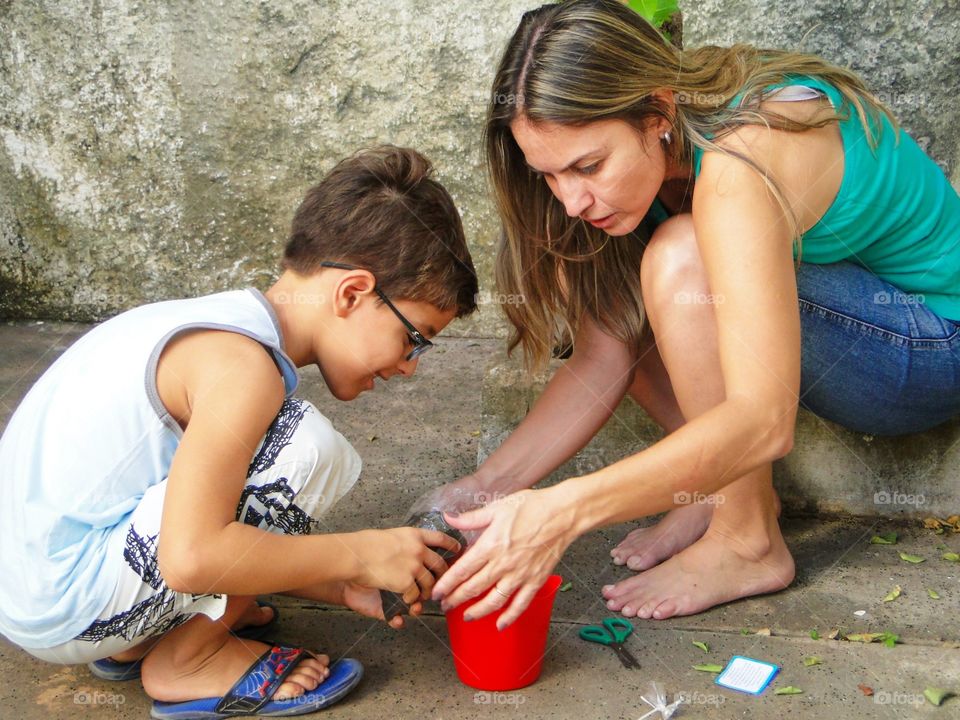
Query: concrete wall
[[154, 150]]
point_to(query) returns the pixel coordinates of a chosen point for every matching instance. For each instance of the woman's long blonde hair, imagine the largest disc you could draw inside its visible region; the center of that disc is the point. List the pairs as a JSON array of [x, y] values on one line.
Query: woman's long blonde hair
[[584, 60]]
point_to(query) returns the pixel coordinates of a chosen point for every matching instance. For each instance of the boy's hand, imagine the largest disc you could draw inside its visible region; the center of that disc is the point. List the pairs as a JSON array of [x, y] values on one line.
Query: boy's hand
[[366, 601], [400, 560]]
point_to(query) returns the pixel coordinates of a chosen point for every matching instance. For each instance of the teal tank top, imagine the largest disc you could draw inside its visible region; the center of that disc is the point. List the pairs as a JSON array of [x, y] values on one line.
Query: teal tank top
[[896, 214]]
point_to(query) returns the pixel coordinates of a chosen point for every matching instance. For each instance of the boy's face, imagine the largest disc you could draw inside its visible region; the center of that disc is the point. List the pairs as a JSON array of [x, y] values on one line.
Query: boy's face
[[373, 342]]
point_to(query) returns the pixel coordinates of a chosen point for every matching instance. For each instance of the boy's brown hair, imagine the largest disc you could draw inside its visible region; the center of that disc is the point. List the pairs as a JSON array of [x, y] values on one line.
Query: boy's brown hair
[[380, 210]]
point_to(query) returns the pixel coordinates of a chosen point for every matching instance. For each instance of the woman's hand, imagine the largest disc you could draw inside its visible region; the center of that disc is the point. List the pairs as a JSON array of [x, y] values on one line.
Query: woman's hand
[[367, 602], [400, 560], [524, 536]]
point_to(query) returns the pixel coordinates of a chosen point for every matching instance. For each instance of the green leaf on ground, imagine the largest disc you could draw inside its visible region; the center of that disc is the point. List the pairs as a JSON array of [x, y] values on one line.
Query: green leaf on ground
[[887, 638], [814, 634], [745, 631], [788, 690], [889, 538], [951, 556], [934, 595], [708, 667], [911, 558], [893, 594], [566, 586], [812, 660], [936, 696], [862, 637], [702, 645]]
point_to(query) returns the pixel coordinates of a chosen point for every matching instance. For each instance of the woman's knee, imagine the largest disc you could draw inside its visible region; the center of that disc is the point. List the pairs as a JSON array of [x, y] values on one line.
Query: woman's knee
[[672, 272]]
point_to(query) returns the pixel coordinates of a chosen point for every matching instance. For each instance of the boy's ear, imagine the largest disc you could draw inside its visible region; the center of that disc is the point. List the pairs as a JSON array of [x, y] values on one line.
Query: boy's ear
[[350, 289]]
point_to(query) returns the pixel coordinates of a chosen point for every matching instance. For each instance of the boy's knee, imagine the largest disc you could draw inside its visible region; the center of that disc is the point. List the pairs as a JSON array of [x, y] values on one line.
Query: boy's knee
[[311, 467], [334, 464]]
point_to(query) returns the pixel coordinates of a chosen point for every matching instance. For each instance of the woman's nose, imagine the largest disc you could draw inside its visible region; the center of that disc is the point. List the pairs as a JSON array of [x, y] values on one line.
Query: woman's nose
[[574, 197]]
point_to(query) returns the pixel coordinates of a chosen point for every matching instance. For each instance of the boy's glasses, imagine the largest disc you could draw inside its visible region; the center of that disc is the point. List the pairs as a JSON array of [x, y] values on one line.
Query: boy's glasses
[[420, 343]]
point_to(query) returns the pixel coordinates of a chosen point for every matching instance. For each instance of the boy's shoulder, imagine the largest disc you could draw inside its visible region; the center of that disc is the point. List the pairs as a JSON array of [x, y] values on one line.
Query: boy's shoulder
[[212, 365]]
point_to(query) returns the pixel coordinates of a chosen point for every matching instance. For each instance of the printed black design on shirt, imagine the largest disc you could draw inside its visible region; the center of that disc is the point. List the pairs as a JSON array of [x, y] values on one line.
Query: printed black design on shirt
[[141, 555], [279, 433], [272, 506]]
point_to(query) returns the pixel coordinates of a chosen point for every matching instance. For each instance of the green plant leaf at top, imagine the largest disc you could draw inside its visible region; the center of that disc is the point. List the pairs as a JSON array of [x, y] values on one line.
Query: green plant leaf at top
[[656, 12], [889, 538], [702, 645]]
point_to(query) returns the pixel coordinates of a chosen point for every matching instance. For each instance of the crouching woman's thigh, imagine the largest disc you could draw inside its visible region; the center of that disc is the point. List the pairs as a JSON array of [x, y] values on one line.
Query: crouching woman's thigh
[[300, 470]]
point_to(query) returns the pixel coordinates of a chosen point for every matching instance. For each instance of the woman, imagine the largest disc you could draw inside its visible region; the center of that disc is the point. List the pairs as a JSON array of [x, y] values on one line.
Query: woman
[[804, 251]]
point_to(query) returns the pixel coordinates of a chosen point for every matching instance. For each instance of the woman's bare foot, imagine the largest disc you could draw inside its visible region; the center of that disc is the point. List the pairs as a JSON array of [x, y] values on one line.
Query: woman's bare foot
[[645, 547], [716, 569], [168, 678]]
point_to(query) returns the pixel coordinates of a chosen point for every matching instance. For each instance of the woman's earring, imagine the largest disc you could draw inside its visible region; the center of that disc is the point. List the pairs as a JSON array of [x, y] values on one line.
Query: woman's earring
[[666, 137]]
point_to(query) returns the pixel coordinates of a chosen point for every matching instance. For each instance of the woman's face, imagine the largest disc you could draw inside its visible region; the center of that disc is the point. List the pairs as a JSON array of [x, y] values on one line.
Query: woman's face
[[606, 172]]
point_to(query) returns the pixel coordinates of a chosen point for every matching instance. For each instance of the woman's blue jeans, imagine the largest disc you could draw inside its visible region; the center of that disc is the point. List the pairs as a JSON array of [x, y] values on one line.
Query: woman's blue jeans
[[874, 358]]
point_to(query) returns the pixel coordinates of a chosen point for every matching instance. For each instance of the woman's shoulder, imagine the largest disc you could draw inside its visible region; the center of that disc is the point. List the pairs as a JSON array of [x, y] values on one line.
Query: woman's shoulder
[[807, 166]]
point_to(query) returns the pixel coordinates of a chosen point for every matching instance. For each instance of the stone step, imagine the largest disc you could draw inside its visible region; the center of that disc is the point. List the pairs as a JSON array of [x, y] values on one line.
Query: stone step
[[831, 470]]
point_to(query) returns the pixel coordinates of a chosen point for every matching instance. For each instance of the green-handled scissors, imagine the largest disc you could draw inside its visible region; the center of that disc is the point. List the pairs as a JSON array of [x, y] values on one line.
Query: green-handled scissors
[[612, 633]]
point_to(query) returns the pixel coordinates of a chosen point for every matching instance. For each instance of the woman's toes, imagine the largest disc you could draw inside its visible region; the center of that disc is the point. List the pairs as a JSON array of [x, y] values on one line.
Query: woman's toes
[[666, 609]]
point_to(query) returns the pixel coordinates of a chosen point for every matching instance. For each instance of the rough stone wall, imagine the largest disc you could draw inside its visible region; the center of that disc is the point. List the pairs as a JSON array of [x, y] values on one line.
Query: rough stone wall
[[155, 150]]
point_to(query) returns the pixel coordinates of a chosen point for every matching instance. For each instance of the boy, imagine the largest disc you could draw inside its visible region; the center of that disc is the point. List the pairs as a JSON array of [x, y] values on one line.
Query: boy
[[160, 475]]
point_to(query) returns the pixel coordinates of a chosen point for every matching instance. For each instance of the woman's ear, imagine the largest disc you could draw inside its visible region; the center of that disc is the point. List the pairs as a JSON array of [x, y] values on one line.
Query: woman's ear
[[350, 290], [667, 100]]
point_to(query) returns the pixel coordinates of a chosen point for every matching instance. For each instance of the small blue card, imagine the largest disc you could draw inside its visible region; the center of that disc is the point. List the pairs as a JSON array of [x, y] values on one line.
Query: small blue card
[[747, 675]]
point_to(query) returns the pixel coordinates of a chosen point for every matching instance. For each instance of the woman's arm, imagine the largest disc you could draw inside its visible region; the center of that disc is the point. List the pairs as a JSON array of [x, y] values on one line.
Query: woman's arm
[[746, 248], [580, 397]]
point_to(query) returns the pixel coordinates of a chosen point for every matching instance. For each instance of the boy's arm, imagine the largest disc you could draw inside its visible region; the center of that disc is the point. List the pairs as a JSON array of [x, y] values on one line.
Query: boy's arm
[[232, 397]]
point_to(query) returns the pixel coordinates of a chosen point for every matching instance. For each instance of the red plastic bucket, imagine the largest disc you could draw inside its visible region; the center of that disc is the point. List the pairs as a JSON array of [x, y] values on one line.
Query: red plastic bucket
[[508, 659]]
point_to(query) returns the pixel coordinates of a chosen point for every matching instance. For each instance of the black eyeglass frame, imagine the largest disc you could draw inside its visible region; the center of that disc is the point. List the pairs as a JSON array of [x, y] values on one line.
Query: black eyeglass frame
[[420, 343]]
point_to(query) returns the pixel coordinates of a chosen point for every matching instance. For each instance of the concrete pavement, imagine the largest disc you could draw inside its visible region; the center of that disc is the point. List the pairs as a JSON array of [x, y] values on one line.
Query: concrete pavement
[[417, 433]]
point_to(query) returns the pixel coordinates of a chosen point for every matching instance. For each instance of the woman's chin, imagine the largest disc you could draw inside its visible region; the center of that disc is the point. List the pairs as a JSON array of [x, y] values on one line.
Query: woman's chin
[[623, 226]]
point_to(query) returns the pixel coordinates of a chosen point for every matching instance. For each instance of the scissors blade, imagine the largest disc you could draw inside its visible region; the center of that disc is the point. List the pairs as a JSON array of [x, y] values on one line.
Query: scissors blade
[[628, 660]]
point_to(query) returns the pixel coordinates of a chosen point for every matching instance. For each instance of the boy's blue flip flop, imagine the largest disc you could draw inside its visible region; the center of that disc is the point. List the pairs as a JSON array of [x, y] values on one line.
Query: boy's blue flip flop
[[253, 693], [108, 669]]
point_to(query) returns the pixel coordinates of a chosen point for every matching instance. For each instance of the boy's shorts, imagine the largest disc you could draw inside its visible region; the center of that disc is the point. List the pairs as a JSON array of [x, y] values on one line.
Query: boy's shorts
[[301, 468]]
